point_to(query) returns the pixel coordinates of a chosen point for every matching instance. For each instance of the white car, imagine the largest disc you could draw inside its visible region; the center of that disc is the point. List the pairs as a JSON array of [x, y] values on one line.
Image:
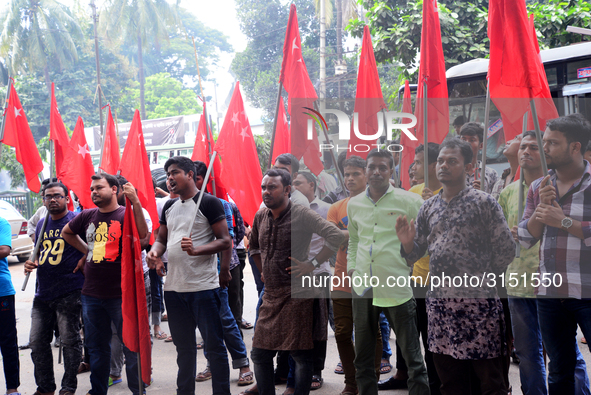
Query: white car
[[22, 245]]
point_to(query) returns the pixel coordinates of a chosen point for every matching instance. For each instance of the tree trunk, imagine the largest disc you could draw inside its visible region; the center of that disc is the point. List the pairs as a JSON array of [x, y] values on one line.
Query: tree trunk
[[141, 66]]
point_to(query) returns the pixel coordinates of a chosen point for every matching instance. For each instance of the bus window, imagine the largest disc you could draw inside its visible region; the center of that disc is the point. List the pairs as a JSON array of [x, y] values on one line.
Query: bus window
[[468, 89], [552, 76], [571, 70]]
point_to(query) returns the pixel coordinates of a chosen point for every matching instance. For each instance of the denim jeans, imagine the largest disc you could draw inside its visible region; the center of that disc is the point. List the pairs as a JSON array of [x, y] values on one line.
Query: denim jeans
[[232, 336], [385, 329], [98, 314], [558, 320], [64, 310], [188, 311], [263, 370], [9, 342]]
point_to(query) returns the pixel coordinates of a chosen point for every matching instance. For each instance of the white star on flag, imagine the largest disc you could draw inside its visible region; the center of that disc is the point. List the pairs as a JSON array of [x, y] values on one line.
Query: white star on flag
[[294, 46], [284, 118], [244, 134], [17, 112], [83, 150], [235, 118]]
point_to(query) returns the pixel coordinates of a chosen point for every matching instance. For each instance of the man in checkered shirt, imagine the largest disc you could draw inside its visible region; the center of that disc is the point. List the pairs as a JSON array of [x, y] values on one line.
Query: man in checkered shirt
[[558, 212]]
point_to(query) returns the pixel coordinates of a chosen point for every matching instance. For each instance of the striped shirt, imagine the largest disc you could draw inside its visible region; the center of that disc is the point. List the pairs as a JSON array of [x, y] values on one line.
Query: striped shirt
[[564, 258]]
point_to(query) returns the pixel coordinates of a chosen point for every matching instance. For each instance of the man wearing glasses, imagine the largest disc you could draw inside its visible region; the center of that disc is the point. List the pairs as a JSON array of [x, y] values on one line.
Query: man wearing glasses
[[57, 299]]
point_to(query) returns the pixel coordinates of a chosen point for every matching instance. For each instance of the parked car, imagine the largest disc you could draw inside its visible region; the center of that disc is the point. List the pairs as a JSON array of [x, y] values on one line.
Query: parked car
[[22, 245]]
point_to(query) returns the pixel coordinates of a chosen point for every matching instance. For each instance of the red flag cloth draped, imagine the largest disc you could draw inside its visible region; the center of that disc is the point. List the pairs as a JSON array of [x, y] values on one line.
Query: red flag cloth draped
[[17, 134], [368, 99], [432, 70], [135, 167], [57, 132], [515, 72], [241, 170], [110, 161], [134, 308], [296, 81], [200, 149], [408, 152], [77, 167], [282, 142]]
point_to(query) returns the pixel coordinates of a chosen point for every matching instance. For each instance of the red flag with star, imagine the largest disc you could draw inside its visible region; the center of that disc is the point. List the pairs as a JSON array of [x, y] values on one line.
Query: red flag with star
[[17, 134], [135, 167], [302, 95], [432, 71], [368, 99], [408, 151], [77, 166], [111, 154], [57, 132], [282, 142], [241, 170], [201, 149]]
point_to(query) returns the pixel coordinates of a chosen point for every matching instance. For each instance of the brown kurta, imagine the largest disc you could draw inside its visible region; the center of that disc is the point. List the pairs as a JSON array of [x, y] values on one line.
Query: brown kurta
[[286, 317]]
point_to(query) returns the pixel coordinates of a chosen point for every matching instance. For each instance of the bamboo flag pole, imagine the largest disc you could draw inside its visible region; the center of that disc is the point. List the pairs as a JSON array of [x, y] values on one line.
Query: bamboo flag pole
[[534, 114], [4, 111], [207, 129], [203, 187], [484, 140], [425, 132], [275, 123], [521, 190]]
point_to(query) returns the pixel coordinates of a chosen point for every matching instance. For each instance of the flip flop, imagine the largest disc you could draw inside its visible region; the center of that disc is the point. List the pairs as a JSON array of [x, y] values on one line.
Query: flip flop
[[168, 339], [200, 345], [204, 376], [160, 335], [250, 392], [316, 380], [246, 325], [246, 378], [385, 367], [116, 381], [339, 369]]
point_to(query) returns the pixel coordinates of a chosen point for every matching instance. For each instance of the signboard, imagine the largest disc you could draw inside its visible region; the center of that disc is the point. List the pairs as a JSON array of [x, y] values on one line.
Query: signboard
[[494, 128], [157, 132], [585, 72]]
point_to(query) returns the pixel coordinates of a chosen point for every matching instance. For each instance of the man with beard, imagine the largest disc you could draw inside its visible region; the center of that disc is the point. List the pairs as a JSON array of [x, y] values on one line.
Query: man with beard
[[101, 230], [558, 212], [57, 299]]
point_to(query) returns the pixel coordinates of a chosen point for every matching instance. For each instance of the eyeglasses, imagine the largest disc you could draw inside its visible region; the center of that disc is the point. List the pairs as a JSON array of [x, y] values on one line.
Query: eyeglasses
[[53, 197]]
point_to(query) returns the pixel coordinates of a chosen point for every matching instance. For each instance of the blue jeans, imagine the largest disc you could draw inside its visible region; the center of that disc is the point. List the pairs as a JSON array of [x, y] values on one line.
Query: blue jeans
[[558, 320], [232, 336], [385, 329], [188, 311], [97, 315]]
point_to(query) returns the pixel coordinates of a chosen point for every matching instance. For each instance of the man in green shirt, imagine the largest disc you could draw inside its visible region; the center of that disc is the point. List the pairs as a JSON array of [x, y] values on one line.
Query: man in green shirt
[[380, 276]]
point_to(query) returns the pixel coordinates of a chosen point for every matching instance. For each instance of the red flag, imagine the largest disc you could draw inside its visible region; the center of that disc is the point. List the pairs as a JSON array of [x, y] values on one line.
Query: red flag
[[368, 99], [17, 134], [515, 72], [408, 152], [135, 167], [134, 308], [77, 166], [201, 149], [57, 132], [282, 142], [110, 161], [241, 170], [296, 81], [432, 70]]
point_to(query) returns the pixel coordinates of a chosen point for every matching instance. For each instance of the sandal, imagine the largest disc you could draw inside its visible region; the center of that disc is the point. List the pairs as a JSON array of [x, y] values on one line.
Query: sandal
[[250, 391], [316, 382], [339, 369], [246, 325], [200, 345], [168, 339], [385, 367], [161, 335], [114, 380], [246, 378], [204, 376]]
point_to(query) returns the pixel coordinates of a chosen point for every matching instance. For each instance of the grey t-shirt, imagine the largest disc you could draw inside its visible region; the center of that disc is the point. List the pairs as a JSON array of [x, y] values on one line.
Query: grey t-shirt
[[191, 273]]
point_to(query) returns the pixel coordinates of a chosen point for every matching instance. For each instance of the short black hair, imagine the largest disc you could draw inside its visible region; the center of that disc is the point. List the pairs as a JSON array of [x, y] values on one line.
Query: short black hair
[[464, 147], [284, 174], [472, 129], [354, 161], [54, 184], [575, 127], [183, 163], [48, 180], [310, 177], [122, 180], [377, 153], [432, 152], [200, 168], [111, 179], [459, 121], [588, 146], [289, 160], [341, 161], [530, 133]]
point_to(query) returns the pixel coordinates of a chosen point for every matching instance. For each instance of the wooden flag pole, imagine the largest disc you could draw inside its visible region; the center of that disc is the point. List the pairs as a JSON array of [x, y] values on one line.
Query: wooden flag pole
[[534, 114], [425, 133], [275, 123], [208, 131], [203, 188], [35, 253], [5, 107], [521, 190], [484, 140]]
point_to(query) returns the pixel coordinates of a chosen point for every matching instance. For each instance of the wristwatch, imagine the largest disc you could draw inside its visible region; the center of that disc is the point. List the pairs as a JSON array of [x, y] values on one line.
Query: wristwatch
[[566, 222], [315, 262]]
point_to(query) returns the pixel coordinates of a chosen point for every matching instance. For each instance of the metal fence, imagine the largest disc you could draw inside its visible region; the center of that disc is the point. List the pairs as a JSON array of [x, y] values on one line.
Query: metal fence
[[21, 201]]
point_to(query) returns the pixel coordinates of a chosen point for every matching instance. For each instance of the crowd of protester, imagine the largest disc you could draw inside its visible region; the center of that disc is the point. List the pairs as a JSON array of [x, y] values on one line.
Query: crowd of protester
[[451, 266]]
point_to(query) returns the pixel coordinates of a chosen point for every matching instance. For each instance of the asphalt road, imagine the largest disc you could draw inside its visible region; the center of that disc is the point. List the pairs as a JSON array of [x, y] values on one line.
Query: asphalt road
[[164, 354]]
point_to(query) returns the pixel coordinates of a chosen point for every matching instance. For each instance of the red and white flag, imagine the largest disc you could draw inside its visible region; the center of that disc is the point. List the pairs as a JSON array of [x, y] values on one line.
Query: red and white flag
[[282, 142]]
